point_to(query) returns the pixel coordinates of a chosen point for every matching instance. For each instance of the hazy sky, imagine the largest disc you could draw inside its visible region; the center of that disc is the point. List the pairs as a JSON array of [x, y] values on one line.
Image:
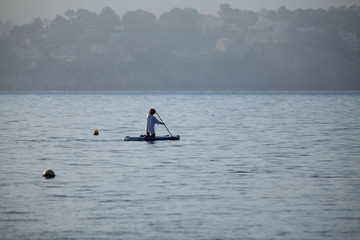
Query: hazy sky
[[24, 11]]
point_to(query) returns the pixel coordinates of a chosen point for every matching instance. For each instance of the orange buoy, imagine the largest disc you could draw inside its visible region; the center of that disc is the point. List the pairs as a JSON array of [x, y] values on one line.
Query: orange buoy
[[96, 132]]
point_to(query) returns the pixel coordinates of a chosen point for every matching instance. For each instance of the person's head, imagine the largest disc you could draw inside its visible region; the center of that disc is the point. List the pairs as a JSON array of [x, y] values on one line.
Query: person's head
[[152, 111]]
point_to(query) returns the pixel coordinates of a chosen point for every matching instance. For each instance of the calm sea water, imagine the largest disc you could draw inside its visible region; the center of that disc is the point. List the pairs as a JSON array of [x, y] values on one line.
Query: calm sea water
[[248, 166]]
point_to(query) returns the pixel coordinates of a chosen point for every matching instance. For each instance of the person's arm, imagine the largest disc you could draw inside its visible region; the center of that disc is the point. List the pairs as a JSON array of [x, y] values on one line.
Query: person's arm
[[157, 121]]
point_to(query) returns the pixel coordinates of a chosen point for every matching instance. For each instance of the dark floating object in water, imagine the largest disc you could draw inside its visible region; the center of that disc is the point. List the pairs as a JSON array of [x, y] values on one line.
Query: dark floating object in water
[[96, 132], [48, 173]]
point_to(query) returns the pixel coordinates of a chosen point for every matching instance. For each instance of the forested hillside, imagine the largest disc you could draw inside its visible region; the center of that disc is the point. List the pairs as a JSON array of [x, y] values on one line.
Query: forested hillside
[[184, 50]]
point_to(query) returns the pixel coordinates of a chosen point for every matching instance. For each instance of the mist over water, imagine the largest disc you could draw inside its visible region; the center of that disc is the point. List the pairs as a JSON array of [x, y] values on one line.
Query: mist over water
[[261, 165]]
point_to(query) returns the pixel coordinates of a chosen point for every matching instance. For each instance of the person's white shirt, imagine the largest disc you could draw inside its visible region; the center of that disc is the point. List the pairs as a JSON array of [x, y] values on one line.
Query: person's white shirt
[[150, 123]]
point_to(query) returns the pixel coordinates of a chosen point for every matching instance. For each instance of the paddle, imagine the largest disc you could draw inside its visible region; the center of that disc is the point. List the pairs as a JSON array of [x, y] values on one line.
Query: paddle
[[164, 124]]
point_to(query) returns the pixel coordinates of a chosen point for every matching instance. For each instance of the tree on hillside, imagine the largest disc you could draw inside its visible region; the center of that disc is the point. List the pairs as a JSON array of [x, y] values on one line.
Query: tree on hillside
[[70, 14], [107, 21], [108, 16], [59, 22], [225, 11], [180, 28], [241, 18], [283, 13], [140, 27], [86, 17], [33, 27]]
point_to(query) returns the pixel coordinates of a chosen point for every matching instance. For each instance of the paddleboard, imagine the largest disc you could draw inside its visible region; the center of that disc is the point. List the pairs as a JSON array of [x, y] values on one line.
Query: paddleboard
[[157, 138]]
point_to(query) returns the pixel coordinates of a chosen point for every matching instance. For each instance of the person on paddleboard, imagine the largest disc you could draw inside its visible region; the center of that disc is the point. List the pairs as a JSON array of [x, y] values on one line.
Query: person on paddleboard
[[151, 120]]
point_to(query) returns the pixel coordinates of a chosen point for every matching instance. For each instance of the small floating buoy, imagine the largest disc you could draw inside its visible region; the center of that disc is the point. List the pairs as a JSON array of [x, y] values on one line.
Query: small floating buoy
[[48, 173], [96, 132]]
